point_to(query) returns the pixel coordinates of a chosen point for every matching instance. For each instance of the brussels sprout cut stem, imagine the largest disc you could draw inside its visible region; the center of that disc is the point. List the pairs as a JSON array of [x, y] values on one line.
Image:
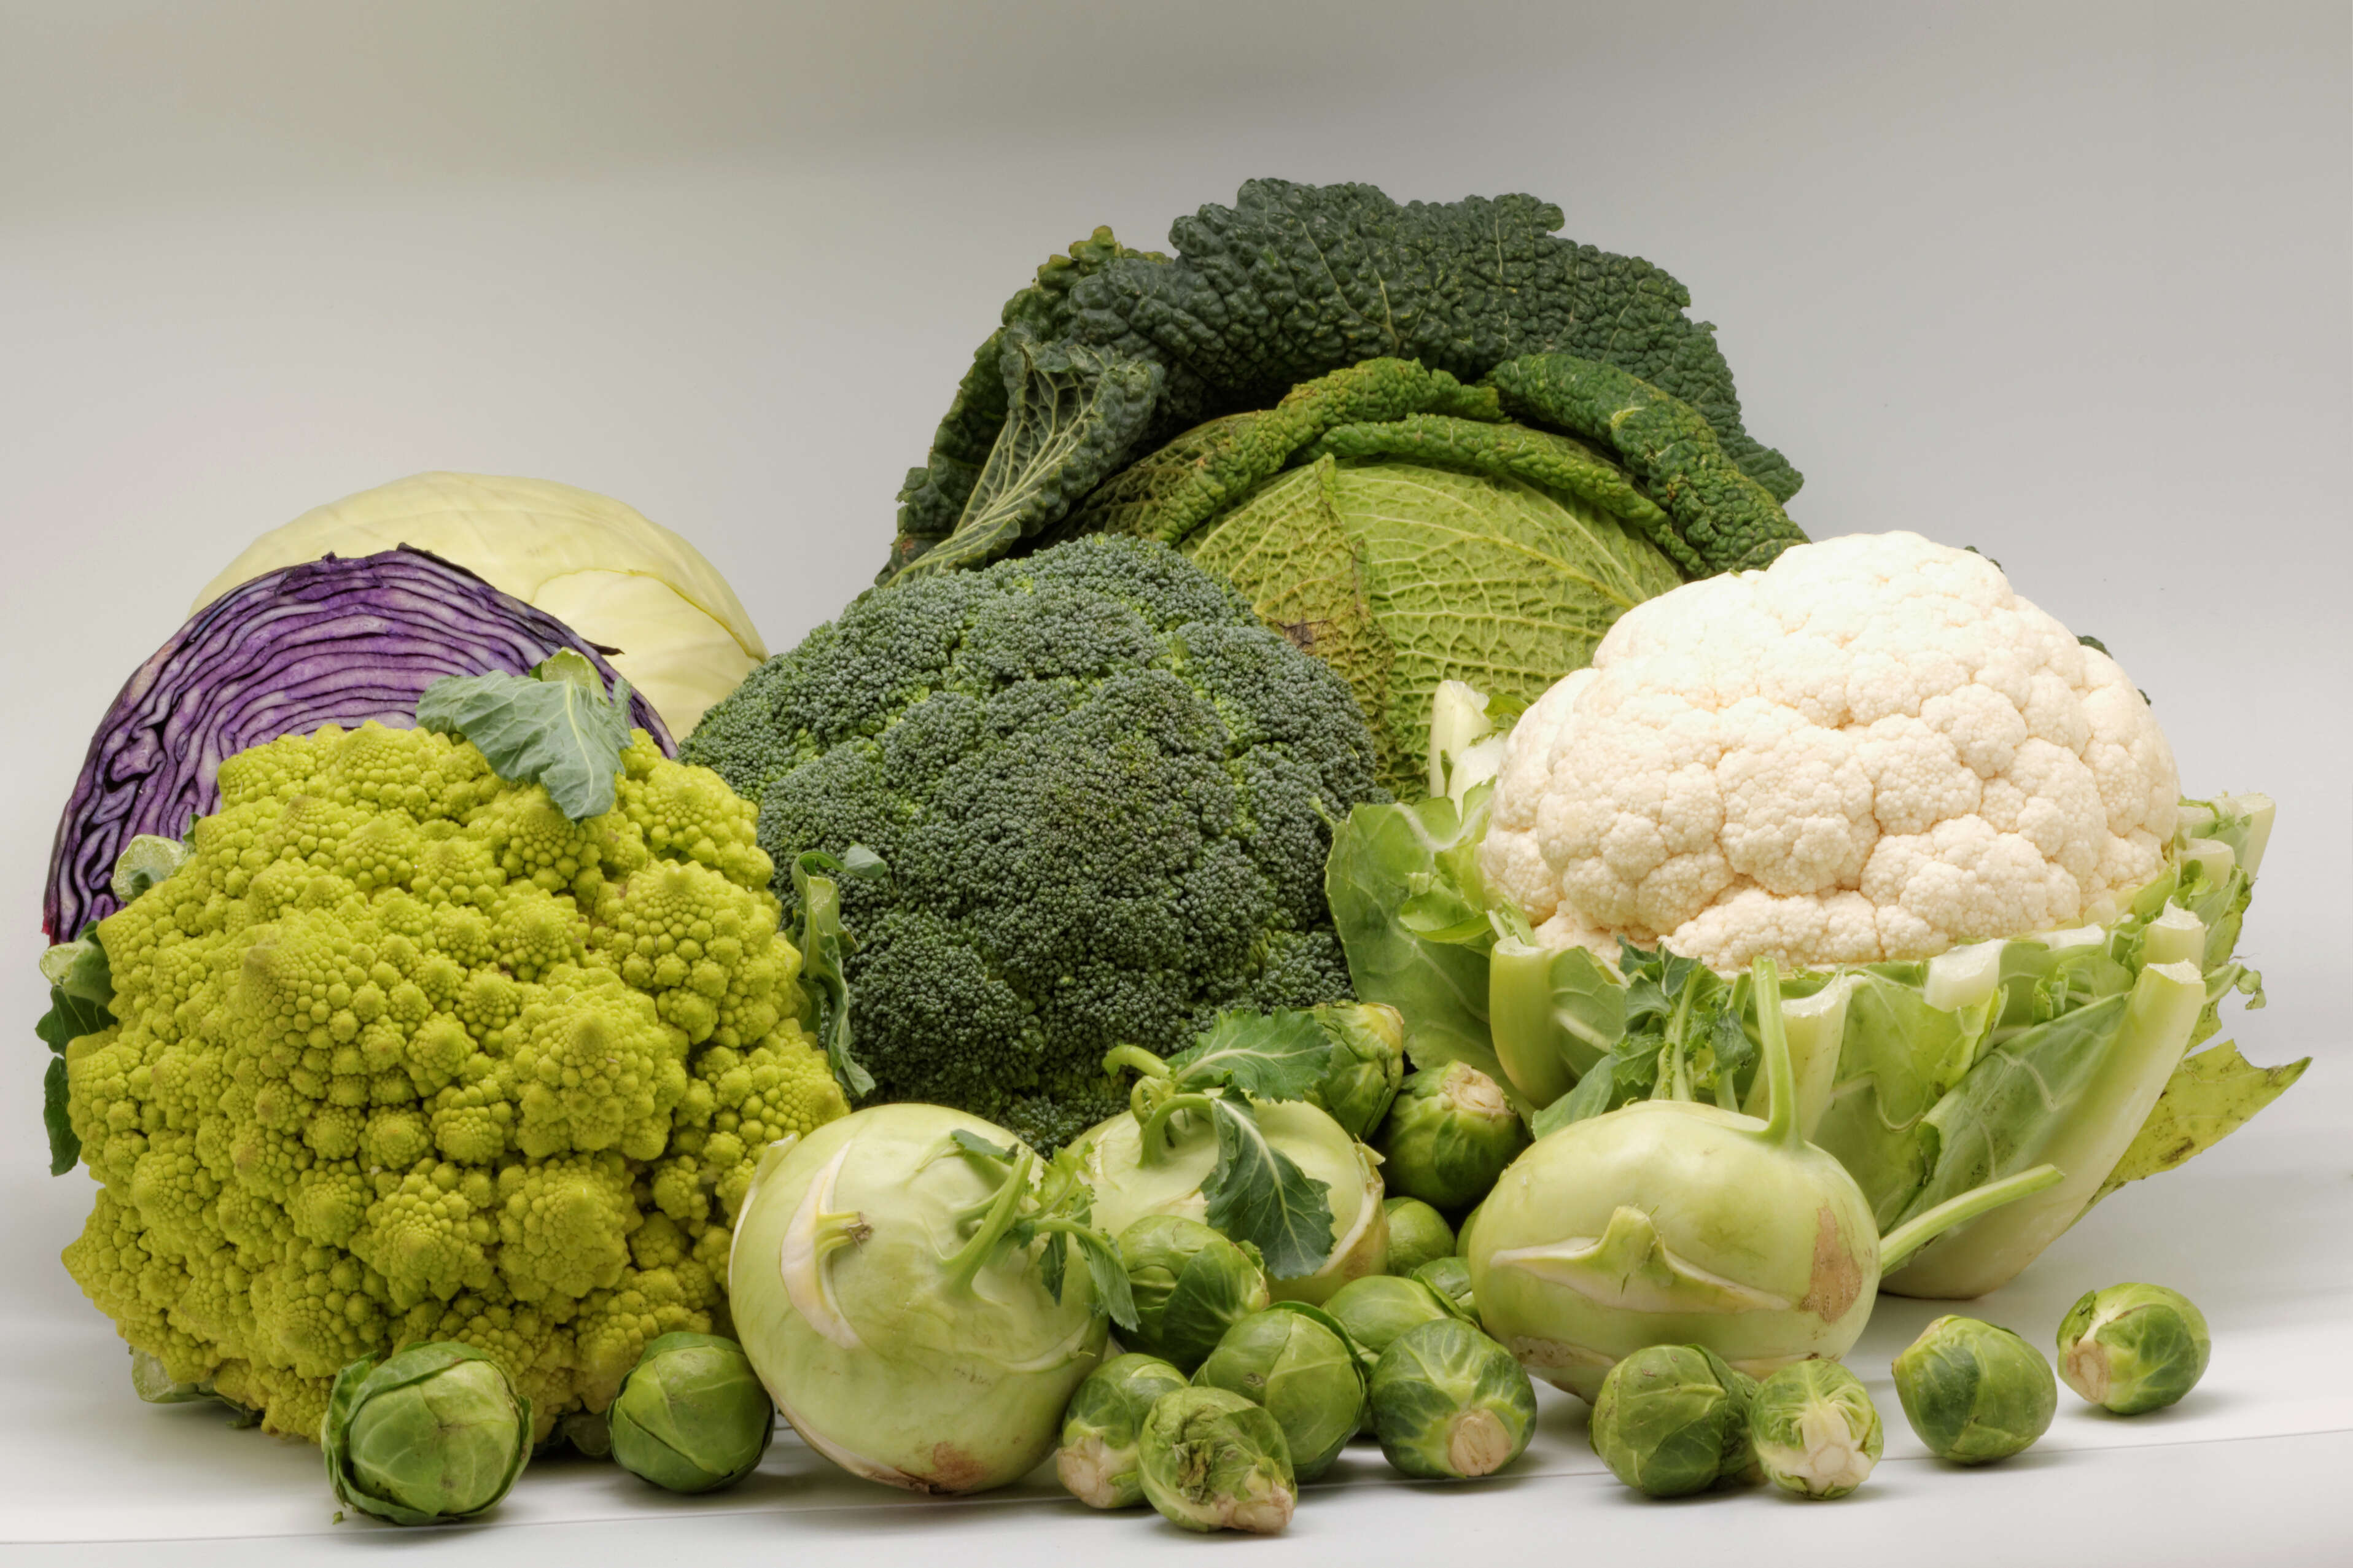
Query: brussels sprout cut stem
[[1671, 1221]]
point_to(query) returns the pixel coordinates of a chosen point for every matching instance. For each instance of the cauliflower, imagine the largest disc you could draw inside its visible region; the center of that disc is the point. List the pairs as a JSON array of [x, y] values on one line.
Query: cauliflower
[[402, 1053], [1873, 749]]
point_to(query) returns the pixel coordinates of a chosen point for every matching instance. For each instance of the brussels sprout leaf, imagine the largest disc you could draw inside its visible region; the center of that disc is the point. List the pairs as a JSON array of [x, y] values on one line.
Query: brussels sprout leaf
[[556, 727], [1257, 1195]]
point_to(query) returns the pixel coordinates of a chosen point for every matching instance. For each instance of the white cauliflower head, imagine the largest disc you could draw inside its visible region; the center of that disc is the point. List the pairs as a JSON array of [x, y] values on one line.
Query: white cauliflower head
[[1872, 749]]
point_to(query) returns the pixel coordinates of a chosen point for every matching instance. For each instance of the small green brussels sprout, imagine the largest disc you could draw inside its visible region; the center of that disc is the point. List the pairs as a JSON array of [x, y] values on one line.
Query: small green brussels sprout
[[1673, 1419], [1451, 1278], [2133, 1348], [1448, 1136], [586, 1432], [1816, 1431], [1190, 1284], [1298, 1361], [1213, 1459], [434, 1432], [1099, 1462], [692, 1416], [1368, 1064], [1974, 1392], [1418, 1233], [1378, 1308], [1450, 1403]]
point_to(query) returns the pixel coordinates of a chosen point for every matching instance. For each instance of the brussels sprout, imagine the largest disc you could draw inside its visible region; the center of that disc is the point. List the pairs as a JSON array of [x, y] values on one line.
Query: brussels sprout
[[1673, 1419], [1299, 1363], [435, 1432], [1418, 1233], [586, 1432], [1448, 1136], [1368, 1064], [1213, 1459], [1816, 1431], [692, 1416], [2132, 1348], [1378, 1308], [1451, 1278], [1190, 1286], [1099, 1461], [1448, 1402], [1974, 1391]]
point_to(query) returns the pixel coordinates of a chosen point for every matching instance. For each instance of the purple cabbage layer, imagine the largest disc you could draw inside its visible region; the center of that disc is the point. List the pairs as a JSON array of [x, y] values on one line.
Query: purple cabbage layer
[[333, 641]]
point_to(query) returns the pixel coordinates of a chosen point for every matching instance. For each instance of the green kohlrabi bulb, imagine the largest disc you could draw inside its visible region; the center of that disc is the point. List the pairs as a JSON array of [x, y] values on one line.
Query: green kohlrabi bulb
[[1448, 1136], [435, 1432], [1451, 1278], [1816, 1431], [1448, 1402], [1973, 1392], [1298, 1361], [1190, 1285], [1213, 1459], [1418, 1233], [2132, 1348], [1673, 1419], [1099, 1462], [692, 1416]]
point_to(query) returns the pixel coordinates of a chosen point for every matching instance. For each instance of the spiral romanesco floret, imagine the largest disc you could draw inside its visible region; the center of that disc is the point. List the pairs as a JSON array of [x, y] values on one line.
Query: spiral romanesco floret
[[402, 1053]]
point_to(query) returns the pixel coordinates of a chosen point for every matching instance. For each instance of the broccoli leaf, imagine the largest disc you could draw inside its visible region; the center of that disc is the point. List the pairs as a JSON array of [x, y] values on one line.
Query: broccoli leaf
[[1256, 1193], [1281, 1055], [556, 727]]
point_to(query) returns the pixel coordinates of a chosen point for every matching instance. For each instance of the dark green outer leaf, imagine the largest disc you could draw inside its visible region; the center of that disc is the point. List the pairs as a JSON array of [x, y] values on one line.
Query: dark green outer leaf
[[1295, 281], [1257, 1194], [556, 727], [823, 944]]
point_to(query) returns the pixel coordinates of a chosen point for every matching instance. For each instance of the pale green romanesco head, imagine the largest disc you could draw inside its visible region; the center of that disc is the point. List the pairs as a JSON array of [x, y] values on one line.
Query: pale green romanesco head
[[403, 1055]]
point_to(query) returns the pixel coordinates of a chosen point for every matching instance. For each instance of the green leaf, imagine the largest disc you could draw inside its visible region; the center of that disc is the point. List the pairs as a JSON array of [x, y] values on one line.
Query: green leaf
[[1258, 1195], [2209, 1096], [823, 945], [1281, 1055], [556, 727], [1108, 1274], [65, 1147], [69, 1018], [971, 1142]]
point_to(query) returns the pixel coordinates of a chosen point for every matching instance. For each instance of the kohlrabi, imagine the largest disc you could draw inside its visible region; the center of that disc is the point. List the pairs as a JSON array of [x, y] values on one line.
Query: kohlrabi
[[902, 1281], [1222, 1132], [1671, 1221]]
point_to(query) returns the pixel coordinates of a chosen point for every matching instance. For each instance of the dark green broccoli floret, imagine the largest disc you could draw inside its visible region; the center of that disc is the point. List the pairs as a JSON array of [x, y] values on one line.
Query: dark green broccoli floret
[[1104, 790]]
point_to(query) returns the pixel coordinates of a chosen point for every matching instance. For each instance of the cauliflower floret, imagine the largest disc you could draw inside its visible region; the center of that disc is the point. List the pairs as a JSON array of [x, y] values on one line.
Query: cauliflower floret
[[1873, 749]]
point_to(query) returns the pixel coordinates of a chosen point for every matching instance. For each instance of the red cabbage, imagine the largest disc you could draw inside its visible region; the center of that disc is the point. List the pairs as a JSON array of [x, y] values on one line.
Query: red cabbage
[[328, 642]]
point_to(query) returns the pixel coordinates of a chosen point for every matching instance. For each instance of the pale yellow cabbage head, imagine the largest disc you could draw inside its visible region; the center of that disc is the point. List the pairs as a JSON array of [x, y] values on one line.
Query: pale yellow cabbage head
[[602, 568]]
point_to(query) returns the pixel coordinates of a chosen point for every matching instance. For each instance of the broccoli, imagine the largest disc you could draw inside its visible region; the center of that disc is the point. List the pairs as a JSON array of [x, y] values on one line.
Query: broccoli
[[398, 1054], [1104, 792]]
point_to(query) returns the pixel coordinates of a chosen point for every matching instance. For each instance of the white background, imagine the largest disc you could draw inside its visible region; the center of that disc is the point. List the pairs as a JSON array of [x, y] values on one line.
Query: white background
[[2065, 281]]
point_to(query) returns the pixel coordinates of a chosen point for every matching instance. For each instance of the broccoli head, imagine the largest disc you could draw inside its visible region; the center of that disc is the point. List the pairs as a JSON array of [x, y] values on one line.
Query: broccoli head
[[1104, 790], [399, 1053]]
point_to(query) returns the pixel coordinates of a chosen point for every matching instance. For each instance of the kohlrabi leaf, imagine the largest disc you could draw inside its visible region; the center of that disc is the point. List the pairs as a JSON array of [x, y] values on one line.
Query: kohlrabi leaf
[[556, 727], [1257, 1194], [1108, 1274], [1281, 1055], [2209, 1096], [823, 944], [971, 1142]]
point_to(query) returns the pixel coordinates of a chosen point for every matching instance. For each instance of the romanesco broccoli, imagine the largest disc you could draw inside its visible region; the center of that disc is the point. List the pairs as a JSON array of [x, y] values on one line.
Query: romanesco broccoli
[[1104, 792], [401, 1054]]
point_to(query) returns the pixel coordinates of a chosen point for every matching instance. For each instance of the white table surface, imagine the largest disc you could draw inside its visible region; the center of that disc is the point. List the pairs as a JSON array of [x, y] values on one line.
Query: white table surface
[[2256, 1231]]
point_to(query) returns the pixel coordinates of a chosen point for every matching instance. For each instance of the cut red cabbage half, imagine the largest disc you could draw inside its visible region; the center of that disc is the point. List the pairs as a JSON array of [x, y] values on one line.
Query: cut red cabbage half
[[327, 642]]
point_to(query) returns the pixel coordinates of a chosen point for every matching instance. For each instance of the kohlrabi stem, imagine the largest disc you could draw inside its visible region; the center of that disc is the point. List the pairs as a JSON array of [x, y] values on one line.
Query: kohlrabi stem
[[1914, 1233], [1781, 1078], [1155, 1126], [1134, 1057], [966, 1263]]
